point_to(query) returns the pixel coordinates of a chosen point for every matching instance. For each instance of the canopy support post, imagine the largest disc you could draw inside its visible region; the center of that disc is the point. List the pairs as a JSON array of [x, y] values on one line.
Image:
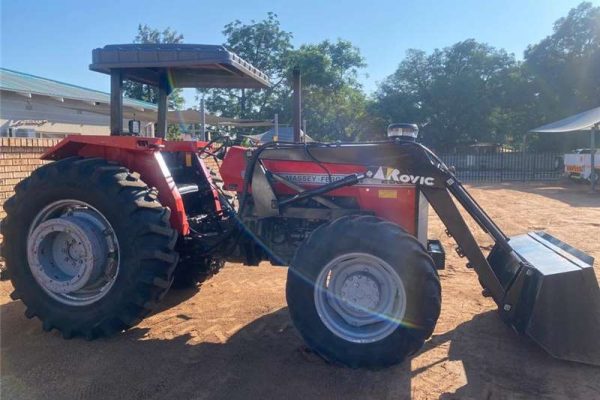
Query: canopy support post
[[161, 126], [164, 89], [116, 102]]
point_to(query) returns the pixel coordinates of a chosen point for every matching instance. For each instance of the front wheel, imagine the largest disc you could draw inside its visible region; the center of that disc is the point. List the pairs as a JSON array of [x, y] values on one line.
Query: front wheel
[[363, 292]]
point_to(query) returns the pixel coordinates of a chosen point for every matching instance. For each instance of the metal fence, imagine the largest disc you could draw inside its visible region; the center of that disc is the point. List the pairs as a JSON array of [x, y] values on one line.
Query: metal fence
[[506, 166]]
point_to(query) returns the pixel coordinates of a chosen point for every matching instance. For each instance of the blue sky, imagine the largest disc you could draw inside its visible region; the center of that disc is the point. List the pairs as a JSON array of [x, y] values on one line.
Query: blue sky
[[54, 39]]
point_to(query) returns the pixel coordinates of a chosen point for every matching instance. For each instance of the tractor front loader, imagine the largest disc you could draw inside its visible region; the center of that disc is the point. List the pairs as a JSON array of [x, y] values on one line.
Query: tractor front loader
[[95, 239]]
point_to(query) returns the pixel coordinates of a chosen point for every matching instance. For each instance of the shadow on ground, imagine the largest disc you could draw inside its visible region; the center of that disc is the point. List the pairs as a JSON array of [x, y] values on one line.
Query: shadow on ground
[[265, 359], [499, 364]]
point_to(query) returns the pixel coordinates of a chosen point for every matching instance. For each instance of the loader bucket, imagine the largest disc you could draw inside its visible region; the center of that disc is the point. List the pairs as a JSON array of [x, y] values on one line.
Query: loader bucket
[[552, 295]]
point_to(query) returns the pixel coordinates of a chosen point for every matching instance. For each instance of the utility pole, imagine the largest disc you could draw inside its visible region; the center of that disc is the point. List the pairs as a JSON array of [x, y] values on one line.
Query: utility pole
[[297, 104], [202, 120]]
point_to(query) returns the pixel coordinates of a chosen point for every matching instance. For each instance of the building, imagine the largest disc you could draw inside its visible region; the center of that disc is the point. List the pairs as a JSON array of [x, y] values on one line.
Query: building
[[36, 107], [32, 106]]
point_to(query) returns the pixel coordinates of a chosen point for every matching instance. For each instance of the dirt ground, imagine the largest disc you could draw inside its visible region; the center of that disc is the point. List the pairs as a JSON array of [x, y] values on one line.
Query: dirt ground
[[233, 338]]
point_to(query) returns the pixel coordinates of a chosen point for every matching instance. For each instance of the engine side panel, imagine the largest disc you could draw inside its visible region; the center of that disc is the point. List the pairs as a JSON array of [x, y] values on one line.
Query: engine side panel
[[393, 202]]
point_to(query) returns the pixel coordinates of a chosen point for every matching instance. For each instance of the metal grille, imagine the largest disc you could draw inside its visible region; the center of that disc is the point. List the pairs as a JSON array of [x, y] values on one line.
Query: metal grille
[[506, 166]]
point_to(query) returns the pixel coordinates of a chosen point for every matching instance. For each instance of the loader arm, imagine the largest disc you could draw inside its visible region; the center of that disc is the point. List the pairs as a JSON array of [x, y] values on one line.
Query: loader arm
[[442, 203], [440, 198], [543, 287]]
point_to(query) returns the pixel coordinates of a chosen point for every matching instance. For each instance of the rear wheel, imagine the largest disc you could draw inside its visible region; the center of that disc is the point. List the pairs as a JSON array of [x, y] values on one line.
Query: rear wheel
[[363, 292], [88, 247]]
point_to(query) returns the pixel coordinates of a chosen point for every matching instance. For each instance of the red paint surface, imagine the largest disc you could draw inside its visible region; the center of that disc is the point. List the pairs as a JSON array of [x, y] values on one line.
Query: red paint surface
[[183, 145], [400, 210], [140, 155]]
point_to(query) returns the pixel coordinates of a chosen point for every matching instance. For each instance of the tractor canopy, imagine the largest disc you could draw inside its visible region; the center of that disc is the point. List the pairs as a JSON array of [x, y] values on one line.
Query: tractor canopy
[[170, 66], [181, 65]]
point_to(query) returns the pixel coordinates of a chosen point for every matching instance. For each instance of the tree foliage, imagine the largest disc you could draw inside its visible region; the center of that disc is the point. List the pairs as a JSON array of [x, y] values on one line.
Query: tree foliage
[[264, 45], [334, 104], [333, 101], [565, 66], [145, 92], [471, 92], [465, 93]]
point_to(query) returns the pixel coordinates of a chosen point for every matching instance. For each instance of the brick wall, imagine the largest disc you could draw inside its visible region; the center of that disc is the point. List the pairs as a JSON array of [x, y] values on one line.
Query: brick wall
[[18, 158]]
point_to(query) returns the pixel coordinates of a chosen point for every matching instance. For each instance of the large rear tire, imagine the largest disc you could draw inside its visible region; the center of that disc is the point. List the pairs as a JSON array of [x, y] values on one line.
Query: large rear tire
[[363, 292], [88, 247]]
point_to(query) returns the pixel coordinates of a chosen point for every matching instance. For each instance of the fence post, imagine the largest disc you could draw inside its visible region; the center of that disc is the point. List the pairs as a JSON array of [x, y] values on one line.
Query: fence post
[[501, 164]]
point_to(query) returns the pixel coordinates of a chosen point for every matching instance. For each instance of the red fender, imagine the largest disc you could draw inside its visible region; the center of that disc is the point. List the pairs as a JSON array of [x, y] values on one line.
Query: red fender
[[138, 154]]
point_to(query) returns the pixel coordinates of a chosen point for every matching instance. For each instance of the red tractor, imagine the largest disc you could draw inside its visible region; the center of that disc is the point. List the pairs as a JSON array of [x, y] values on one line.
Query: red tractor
[[95, 239]]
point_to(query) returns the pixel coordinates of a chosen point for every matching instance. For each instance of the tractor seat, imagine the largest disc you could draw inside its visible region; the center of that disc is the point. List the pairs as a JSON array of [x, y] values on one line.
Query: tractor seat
[[187, 188]]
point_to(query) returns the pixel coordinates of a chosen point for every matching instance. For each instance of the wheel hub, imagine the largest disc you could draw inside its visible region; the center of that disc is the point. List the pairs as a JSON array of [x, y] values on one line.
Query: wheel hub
[[360, 297], [72, 252], [360, 292]]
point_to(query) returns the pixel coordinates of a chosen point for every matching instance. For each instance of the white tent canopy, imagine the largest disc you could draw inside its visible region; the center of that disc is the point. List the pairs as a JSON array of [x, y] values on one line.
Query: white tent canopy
[[584, 121]]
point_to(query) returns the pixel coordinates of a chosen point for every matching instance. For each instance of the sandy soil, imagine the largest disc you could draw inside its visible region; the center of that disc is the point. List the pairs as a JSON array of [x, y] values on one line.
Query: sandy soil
[[233, 339]]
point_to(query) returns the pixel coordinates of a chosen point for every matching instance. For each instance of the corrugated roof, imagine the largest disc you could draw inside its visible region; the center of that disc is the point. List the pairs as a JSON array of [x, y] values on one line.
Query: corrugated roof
[[15, 81]]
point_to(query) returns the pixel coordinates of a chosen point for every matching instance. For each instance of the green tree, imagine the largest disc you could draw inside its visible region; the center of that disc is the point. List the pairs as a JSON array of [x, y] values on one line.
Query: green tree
[[334, 104], [465, 93], [565, 66], [148, 93], [264, 44], [327, 65]]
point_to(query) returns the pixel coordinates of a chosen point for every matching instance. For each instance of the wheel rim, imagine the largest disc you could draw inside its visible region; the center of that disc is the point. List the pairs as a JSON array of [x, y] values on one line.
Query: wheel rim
[[360, 298], [73, 252]]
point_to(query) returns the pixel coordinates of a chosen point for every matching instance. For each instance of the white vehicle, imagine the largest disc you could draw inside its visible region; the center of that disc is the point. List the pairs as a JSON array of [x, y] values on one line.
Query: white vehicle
[[578, 165]]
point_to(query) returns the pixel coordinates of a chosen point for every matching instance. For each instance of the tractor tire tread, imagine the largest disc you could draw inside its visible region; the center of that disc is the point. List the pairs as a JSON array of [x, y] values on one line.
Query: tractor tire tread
[[388, 241], [151, 264]]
